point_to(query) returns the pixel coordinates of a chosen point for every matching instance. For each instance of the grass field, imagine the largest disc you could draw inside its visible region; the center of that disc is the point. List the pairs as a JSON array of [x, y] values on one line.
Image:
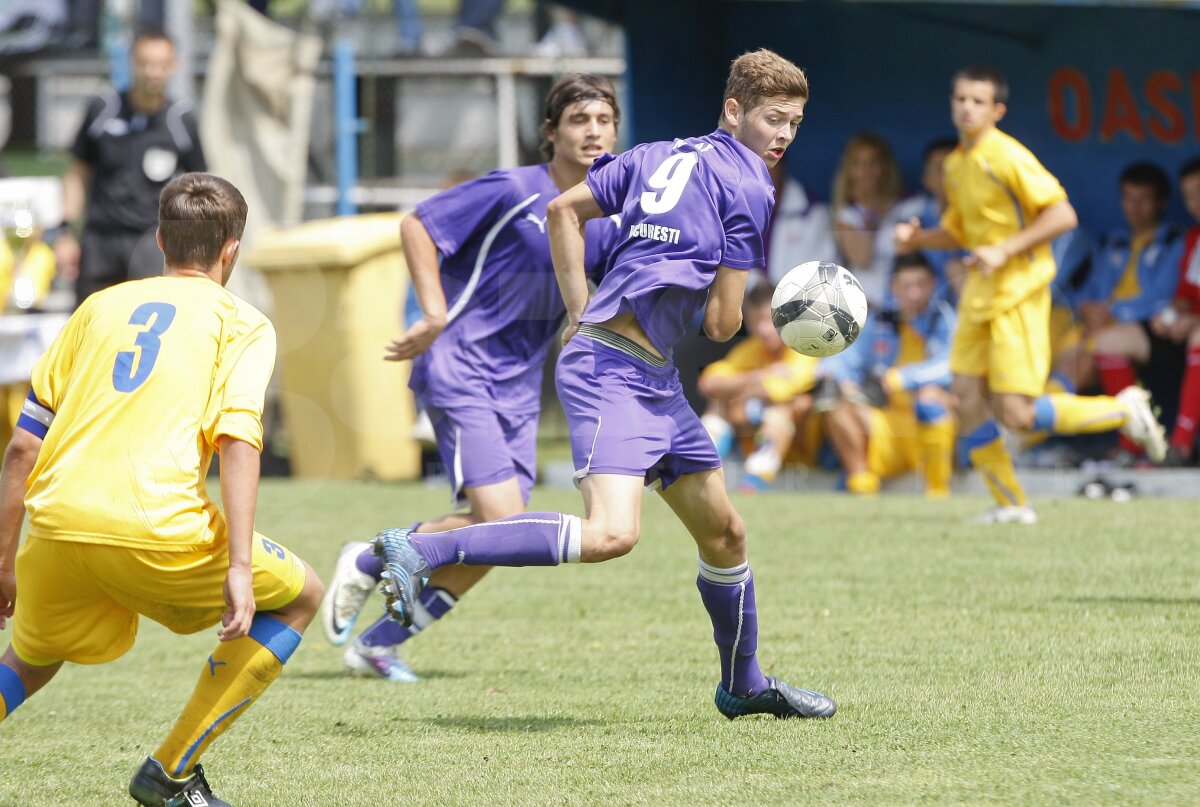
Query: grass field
[[1058, 664]]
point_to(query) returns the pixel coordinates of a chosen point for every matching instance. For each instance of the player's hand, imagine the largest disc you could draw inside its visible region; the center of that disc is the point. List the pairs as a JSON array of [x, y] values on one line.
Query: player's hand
[[1183, 326], [987, 259], [1095, 315], [8, 595], [1160, 323], [569, 331], [239, 602], [905, 233], [415, 341], [66, 255]]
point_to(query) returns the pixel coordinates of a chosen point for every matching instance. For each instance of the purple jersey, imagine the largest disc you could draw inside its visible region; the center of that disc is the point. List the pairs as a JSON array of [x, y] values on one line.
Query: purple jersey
[[503, 298], [686, 208]]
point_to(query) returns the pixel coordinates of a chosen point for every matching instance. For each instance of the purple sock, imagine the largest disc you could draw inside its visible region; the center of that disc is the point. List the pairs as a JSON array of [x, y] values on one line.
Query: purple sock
[[530, 539], [368, 563], [432, 605], [728, 595]]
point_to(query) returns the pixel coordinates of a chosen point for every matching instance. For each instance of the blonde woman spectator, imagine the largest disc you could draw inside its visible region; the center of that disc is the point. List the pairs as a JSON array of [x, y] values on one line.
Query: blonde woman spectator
[[865, 189]]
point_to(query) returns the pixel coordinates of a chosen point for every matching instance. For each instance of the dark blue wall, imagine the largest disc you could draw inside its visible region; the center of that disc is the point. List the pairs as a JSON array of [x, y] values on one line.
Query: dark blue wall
[[1093, 88]]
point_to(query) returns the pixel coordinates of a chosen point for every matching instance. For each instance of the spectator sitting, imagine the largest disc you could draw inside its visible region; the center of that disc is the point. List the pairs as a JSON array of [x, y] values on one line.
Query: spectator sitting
[[1180, 323], [760, 390], [800, 228], [865, 188], [926, 208], [1133, 278], [894, 416]]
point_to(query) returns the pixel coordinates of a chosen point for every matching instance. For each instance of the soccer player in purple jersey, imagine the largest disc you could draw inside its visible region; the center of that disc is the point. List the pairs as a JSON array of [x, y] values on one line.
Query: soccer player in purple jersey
[[693, 214], [477, 362]]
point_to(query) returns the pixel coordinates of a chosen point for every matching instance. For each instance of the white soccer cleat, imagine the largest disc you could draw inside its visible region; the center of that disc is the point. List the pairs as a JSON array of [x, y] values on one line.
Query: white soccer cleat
[[1011, 514], [1141, 426], [363, 661], [346, 594]]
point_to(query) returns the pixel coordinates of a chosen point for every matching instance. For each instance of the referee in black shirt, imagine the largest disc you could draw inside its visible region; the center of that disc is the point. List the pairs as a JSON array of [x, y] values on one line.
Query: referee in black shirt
[[129, 147]]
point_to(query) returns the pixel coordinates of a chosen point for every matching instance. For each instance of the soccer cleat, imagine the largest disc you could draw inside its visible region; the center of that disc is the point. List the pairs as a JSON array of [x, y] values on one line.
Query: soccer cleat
[[1141, 426], [346, 594], [152, 787], [780, 699], [405, 573], [1010, 514], [367, 661]]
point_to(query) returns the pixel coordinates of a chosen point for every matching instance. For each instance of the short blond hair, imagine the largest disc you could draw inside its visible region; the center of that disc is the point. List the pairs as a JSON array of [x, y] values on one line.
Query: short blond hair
[[761, 74]]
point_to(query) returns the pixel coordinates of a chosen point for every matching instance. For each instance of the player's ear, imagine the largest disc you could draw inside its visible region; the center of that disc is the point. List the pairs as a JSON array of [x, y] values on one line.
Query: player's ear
[[158, 239], [229, 256], [732, 111], [1000, 110]]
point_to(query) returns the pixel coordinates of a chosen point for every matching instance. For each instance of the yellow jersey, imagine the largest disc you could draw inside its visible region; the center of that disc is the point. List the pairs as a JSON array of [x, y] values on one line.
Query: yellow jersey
[[130, 401], [992, 192], [797, 373]]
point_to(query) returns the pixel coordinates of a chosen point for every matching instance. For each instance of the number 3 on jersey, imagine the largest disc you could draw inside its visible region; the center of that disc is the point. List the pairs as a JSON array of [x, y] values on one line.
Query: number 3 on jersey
[[669, 180], [158, 316]]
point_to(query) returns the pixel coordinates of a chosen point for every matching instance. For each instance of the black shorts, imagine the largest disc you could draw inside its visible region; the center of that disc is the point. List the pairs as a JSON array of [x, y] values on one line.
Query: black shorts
[[109, 258], [1163, 373]]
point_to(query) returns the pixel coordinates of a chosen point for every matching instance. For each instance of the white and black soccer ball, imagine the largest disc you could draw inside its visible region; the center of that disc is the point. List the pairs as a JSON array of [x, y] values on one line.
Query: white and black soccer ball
[[819, 308]]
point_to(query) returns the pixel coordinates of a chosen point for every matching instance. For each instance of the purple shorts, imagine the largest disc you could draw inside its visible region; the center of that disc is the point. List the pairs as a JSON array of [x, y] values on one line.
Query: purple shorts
[[482, 447], [629, 417]]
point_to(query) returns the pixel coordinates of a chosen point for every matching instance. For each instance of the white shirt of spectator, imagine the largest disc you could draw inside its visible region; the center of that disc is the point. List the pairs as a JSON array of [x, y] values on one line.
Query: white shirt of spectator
[[801, 231]]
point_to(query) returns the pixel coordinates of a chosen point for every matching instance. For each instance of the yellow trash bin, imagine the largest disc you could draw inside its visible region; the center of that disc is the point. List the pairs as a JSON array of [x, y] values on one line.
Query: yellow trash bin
[[339, 287]]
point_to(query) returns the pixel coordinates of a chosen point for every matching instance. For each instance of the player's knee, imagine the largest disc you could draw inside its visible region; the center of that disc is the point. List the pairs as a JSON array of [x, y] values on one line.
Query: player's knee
[[731, 540], [612, 541], [313, 592], [1015, 413]]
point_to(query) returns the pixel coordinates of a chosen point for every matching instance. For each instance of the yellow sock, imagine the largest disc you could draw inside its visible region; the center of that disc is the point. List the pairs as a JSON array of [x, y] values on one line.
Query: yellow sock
[[937, 456], [996, 466], [1063, 413], [233, 677], [864, 483]]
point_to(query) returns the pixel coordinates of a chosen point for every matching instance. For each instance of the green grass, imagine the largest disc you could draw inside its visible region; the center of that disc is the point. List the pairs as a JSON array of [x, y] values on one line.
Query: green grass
[[1056, 664]]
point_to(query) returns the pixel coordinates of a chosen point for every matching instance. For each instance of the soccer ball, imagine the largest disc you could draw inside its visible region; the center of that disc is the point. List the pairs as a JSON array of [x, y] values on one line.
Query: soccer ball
[[819, 308]]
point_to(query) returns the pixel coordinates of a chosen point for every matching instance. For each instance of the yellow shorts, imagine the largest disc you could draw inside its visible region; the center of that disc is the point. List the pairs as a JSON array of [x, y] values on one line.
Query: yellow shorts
[[893, 447], [1011, 350], [80, 602]]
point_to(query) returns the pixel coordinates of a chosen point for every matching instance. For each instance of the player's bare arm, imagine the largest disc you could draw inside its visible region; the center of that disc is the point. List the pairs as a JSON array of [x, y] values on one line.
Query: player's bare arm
[[1049, 223], [910, 236], [19, 460], [723, 313], [421, 255], [566, 216], [239, 496]]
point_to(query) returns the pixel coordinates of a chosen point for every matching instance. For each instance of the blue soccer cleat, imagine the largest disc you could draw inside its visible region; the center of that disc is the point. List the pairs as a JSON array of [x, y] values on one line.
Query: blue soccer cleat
[[152, 787], [405, 573], [780, 699]]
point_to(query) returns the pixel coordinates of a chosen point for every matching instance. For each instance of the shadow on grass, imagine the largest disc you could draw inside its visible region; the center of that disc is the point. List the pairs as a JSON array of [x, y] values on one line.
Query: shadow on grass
[[523, 724], [1194, 601], [326, 675]]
